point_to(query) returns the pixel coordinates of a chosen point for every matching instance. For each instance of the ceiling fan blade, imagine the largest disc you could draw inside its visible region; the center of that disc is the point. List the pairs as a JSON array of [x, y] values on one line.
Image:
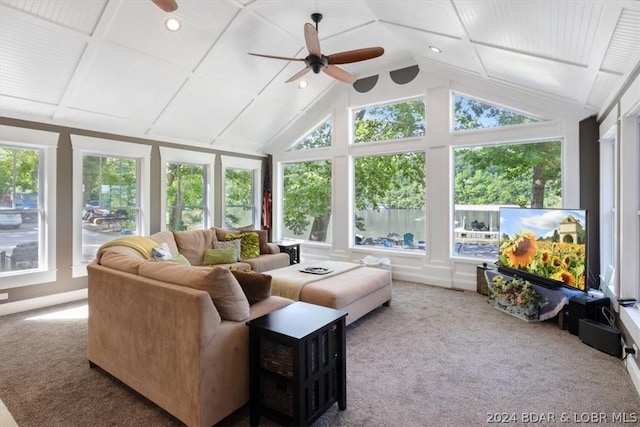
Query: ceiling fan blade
[[339, 74], [311, 38], [299, 74], [276, 57], [355, 55], [166, 5]]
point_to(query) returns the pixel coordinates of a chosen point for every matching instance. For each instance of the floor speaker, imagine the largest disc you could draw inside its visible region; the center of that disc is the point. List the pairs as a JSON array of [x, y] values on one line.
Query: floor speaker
[[585, 307], [601, 336]]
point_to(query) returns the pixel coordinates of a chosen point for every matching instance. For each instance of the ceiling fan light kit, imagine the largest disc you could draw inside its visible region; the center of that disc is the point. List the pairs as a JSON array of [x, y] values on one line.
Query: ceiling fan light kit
[[318, 62]]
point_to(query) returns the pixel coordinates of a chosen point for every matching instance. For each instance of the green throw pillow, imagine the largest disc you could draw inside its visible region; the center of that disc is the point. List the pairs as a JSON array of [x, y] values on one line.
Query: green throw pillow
[[249, 244], [180, 259], [219, 256]]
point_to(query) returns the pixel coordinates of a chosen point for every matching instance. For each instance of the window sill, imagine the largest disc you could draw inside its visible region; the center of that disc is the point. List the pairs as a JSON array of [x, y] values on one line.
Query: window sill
[[19, 279]]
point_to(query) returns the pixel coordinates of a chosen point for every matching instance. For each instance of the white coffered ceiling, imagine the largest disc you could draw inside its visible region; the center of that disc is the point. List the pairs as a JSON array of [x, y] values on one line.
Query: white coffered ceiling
[[109, 65]]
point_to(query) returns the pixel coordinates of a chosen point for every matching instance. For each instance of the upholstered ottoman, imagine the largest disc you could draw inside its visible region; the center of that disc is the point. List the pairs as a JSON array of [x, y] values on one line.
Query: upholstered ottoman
[[350, 287]]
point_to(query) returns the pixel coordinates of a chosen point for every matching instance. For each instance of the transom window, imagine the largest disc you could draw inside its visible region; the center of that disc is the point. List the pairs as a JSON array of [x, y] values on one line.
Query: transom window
[[390, 121], [319, 137], [470, 114]]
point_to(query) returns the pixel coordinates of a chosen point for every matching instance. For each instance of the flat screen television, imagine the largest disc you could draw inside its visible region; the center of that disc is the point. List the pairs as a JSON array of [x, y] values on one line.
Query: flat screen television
[[548, 247]]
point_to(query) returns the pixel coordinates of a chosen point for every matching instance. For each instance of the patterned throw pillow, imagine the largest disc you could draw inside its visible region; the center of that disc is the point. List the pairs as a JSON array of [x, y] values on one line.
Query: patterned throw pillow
[[161, 253], [219, 256], [236, 244], [249, 244]]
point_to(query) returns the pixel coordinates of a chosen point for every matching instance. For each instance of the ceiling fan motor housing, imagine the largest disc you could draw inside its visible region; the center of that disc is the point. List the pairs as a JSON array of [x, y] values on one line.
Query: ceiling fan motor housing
[[316, 63]]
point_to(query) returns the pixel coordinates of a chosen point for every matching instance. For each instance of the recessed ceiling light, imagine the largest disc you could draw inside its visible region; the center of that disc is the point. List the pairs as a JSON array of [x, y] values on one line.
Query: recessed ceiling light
[[435, 49], [303, 84], [172, 24]]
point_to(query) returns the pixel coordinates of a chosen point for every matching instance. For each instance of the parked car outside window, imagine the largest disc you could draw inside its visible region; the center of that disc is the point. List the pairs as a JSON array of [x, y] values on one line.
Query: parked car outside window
[[10, 219]]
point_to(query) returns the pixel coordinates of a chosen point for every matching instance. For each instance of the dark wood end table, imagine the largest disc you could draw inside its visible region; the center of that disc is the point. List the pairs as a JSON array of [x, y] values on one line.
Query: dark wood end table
[[297, 363], [291, 247]]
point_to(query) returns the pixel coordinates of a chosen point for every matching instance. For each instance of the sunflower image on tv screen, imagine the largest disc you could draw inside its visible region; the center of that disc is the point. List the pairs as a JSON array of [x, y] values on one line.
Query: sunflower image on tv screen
[[545, 242]]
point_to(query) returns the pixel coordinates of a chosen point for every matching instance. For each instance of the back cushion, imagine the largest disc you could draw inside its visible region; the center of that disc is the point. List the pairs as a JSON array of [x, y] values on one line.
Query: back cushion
[[192, 244], [166, 237], [224, 289]]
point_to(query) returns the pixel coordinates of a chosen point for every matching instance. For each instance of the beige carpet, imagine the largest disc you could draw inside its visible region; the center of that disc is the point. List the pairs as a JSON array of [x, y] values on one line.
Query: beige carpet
[[436, 357]]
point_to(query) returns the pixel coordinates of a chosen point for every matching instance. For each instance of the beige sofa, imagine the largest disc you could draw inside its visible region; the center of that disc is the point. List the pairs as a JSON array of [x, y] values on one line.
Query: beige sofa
[[176, 334]]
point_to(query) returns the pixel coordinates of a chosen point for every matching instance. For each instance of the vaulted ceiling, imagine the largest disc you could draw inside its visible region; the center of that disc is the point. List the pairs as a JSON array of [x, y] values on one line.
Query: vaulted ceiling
[[110, 65]]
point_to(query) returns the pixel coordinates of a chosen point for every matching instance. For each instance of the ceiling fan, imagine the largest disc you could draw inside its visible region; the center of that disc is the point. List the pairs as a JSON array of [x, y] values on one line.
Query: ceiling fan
[[166, 5], [317, 62]]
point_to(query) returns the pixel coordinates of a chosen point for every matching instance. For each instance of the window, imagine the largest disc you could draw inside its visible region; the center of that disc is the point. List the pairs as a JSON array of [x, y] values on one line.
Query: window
[[187, 190], [185, 197], [390, 201], [27, 206], [241, 191], [487, 177], [110, 200], [111, 180], [388, 122], [307, 200], [472, 114], [319, 137]]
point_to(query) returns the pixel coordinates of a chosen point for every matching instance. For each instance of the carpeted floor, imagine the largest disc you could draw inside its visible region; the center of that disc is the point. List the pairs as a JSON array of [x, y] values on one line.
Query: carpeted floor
[[436, 357]]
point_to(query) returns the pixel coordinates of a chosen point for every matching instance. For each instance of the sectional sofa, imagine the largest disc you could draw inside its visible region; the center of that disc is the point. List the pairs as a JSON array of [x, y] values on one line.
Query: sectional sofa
[[176, 333]]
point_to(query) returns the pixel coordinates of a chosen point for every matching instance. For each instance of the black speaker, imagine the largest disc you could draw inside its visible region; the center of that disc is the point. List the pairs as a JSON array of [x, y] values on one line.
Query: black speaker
[[585, 307], [601, 336]]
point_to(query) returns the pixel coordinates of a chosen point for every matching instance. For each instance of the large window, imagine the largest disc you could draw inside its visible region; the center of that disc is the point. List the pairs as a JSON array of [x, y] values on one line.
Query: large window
[[111, 196], [239, 202], [389, 201], [20, 212], [242, 189], [110, 200], [187, 190], [307, 200], [27, 206], [185, 196], [487, 177]]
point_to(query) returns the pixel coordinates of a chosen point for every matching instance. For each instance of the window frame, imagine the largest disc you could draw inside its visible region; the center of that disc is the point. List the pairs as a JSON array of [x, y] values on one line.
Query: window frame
[[253, 165], [90, 146], [518, 134], [175, 155], [47, 143]]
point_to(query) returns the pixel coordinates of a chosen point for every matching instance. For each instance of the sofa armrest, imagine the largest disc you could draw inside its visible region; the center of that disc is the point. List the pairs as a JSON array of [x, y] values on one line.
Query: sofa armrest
[[273, 248], [134, 320]]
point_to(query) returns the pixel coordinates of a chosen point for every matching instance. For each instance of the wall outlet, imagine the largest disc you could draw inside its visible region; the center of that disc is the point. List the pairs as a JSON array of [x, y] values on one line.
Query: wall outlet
[[4, 296]]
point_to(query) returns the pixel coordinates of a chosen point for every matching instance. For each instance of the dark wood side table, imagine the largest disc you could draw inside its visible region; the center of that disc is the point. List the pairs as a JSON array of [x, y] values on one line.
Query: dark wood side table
[[297, 363], [291, 247]]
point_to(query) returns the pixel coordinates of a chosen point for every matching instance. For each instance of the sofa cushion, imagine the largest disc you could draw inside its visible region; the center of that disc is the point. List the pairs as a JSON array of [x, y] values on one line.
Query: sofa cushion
[[256, 286], [230, 244], [220, 256], [268, 262], [222, 286], [193, 243], [180, 259], [249, 244]]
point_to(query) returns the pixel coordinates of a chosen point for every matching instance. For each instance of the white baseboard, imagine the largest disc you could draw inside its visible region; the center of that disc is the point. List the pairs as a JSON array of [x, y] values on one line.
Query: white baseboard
[[49, 300]]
